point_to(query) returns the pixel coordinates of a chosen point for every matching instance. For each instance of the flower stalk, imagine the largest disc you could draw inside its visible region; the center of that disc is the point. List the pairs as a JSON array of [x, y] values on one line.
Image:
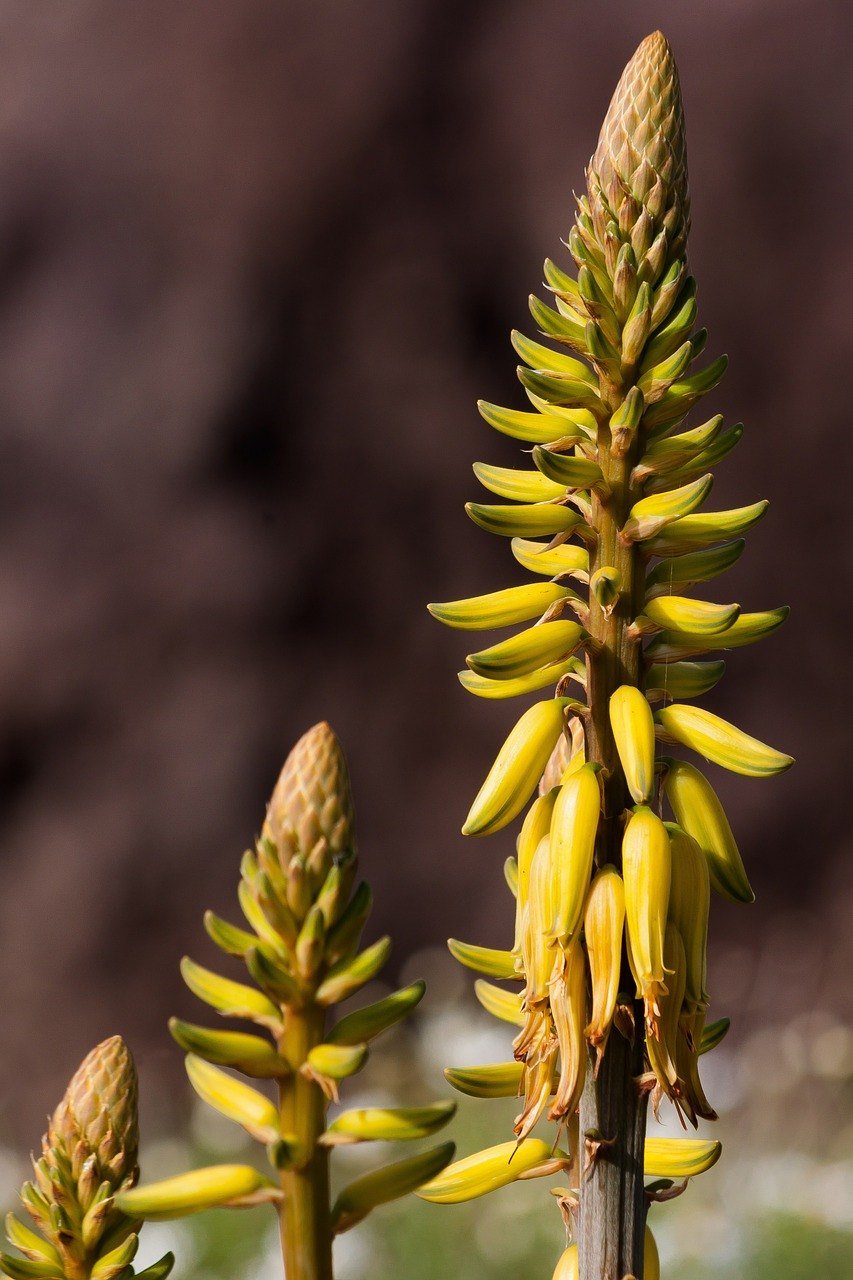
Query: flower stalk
[[611, 900]]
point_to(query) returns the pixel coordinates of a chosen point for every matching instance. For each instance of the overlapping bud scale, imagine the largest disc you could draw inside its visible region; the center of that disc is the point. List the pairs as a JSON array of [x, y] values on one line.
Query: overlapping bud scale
[[610, 384]]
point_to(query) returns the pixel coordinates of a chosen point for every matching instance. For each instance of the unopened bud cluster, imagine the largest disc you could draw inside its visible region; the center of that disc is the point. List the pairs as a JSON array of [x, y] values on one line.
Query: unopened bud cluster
[[88, 1157], [612, 898]]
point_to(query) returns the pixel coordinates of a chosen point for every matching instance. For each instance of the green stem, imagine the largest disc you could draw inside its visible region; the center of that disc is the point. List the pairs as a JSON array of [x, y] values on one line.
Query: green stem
[[304, 1217], [611, 1219]]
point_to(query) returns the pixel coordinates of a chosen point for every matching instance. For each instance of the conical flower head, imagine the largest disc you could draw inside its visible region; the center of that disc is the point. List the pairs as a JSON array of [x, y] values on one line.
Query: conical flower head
[[98, 1115], [312, 799], [639, 169]]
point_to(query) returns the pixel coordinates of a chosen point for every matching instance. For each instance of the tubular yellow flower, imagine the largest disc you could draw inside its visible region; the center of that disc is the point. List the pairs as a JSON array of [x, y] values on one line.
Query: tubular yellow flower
[[646, 869], [662, 1048], [567, 992], [536, 825], [537, 957], [604, 921], [688, 1048], [689, 900], [574, 826], [538, 1082]]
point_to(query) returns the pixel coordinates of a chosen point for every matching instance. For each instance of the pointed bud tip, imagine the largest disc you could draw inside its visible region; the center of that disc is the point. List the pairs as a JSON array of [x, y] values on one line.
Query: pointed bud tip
[[641, 148], [312, 798]]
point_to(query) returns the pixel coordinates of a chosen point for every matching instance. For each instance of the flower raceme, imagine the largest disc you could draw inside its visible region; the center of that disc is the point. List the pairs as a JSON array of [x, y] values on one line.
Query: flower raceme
[[610, 516], [88, 1158], [305, 912]]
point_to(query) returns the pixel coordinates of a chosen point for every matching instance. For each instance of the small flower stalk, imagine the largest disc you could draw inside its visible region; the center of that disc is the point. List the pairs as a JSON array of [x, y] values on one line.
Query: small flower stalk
[[302, 954], [88, 1158], [623, 840]]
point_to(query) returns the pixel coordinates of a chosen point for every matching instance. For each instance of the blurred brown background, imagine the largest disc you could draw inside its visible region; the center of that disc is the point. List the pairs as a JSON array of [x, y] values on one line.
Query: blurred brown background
[[257, 260]]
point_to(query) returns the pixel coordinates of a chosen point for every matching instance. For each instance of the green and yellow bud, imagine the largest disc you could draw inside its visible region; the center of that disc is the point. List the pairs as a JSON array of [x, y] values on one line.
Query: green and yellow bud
[[517, 484], [650, 515], [530, 520], [698, 810], [231, 1098], [500, 1003], [516, 772], [682, 679], [680, 1157], [689, 902], [250, 1054], [698, 617], [220, 1186], [553, 562], [388, 1183], [499, 608], [387, 1124], [363, 1024], [527, 651], [532, 428], [350, 975], [720, 742], [493, 1080], [550, 674], [328, 1064], [487, 1171]]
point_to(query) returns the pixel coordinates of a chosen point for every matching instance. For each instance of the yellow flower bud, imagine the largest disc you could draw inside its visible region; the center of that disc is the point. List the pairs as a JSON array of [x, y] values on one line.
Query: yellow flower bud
[[517, 769], [646, 870], [634, 734], [574, 827]]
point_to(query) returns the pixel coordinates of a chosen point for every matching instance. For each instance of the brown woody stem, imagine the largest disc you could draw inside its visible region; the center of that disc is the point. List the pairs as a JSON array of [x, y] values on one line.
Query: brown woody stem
[[611, 1217]]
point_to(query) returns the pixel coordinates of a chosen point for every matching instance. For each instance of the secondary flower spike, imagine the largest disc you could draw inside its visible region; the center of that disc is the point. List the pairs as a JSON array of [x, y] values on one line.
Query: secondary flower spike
[[88, 1155], [607, 506], [302, 951]]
